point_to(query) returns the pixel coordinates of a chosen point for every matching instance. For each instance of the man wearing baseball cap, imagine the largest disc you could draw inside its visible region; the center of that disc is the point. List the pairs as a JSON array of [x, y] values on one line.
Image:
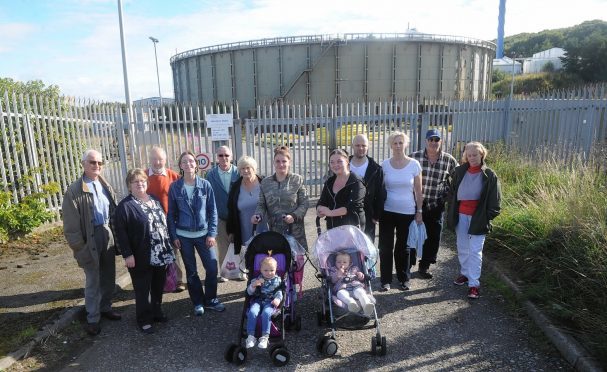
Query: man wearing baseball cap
[[436, 166]]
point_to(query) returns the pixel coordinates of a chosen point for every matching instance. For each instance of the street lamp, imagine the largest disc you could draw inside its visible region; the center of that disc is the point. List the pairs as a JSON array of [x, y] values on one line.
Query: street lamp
[[512, 81], [154, 40]]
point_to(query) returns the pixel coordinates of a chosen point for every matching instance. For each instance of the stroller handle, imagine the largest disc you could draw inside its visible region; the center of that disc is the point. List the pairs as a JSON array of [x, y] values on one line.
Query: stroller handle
[[288, 230]]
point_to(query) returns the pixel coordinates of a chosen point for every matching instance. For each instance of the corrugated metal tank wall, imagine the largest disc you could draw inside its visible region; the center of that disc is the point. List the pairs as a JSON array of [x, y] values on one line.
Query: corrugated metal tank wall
[[333, 70]]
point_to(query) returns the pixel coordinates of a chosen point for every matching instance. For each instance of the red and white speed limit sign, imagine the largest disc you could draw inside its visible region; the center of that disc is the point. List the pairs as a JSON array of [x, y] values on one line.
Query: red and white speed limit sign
[[204, 161]]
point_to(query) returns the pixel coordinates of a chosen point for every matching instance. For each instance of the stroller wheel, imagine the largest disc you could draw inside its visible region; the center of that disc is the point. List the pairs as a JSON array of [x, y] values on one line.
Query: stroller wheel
[[229, 354], [320, 342], [298, 323], [383, 350], [274, 346], [329, 348], [280, 357], [239, 355], [373, 345]]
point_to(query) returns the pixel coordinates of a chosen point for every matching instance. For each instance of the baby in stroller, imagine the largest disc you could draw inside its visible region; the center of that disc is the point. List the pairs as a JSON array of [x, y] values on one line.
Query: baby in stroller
[[266, 294], [348, 284]]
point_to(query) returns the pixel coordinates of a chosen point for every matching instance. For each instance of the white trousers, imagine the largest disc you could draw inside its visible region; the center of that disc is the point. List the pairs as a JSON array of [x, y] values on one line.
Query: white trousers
[[359, 294], [469, 251]]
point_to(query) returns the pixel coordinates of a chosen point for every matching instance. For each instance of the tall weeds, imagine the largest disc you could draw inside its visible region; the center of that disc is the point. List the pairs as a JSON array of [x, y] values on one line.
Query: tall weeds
[[552, 234]]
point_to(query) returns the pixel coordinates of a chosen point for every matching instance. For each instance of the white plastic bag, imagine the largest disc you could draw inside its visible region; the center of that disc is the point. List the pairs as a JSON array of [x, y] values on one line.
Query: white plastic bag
[[230, 267]]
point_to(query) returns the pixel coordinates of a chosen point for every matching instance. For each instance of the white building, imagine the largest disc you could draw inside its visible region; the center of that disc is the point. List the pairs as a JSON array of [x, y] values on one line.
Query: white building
[[537, 62], [506, 65]]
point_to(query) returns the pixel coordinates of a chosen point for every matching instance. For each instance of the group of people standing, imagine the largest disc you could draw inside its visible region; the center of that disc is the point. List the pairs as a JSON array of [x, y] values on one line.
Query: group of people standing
[[414, 189], [168, 215]]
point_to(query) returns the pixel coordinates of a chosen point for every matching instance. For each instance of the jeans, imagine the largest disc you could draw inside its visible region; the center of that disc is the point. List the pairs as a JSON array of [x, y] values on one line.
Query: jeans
[[469, 251], [403, 256], [208, 256], [267, 309]]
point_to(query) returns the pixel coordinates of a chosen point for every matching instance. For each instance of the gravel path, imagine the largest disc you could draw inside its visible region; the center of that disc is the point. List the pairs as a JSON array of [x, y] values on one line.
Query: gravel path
[[431, 327]]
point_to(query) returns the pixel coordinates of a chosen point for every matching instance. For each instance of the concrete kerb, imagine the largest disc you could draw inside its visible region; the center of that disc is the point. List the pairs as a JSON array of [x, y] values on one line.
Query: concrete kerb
[[570, 349], [64, 320]]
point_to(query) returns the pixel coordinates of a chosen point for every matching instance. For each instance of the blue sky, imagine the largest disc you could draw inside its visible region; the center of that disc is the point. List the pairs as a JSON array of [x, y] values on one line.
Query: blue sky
[[76, 43]]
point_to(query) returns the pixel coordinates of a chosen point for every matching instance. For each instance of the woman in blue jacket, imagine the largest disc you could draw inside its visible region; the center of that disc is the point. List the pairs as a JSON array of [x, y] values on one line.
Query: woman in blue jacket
[[143, 239], [192, 220]]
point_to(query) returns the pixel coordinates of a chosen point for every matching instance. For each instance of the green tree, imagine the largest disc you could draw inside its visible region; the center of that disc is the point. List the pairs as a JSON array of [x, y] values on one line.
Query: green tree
[[498, 75], [548, 67]]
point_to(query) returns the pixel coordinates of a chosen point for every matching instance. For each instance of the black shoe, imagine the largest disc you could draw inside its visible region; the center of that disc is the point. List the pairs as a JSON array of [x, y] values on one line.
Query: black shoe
[[161, 319], [404, 286], [424, 274], [92, 329], [111, 315]]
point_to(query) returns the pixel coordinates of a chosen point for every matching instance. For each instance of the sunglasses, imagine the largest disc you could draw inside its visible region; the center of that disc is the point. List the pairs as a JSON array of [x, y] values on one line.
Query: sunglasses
[[93, 162], [223, 155], [434, 139]]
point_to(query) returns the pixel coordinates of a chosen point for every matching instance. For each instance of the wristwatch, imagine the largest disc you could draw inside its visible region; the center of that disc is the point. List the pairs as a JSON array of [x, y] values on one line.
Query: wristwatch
[[419, 211]]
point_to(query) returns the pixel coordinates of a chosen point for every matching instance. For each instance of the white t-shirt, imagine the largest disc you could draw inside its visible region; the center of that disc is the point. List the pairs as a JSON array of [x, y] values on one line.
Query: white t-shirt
[[399, 187], [359, 170]]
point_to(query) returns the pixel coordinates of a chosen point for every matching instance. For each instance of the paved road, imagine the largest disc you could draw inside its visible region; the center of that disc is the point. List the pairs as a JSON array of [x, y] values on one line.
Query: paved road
[[431, 327]]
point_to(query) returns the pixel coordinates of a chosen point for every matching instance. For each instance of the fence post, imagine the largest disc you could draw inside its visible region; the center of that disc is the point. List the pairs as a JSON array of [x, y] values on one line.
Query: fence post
[[507, 121], [121, 141]]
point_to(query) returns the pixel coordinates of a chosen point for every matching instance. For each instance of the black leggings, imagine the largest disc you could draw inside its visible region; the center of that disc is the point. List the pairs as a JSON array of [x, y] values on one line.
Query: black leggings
[[403, 256]]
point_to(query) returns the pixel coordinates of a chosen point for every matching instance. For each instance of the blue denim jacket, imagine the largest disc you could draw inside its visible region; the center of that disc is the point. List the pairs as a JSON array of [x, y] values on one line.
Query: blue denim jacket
[[199, 215]]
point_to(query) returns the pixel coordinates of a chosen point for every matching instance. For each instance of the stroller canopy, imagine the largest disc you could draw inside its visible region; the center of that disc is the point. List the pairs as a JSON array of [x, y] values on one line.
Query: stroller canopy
[[343, 238]]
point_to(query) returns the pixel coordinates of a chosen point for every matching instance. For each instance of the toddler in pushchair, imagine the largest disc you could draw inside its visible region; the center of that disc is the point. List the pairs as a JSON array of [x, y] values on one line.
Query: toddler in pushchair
[[269, 306], [348, 284], [346, 259]]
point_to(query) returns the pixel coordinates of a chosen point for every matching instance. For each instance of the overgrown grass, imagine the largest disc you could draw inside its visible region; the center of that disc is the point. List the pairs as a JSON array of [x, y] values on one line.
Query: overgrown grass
[[552, 234]]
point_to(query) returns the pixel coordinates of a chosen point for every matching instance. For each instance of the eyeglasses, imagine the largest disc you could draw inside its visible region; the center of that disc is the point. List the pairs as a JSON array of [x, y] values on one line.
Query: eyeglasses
[[93, 162], [434, 139], [223, 155]]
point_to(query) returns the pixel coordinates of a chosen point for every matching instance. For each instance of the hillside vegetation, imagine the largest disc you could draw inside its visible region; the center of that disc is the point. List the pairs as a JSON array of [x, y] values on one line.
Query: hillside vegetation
[[584, 61]]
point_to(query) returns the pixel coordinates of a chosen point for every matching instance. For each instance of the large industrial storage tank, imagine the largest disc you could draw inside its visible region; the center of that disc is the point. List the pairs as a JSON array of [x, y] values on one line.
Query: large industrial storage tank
[[329, 68]]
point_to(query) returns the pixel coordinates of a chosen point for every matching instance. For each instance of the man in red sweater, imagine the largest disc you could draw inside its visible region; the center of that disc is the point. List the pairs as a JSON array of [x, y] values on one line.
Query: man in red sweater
[[159, 179]]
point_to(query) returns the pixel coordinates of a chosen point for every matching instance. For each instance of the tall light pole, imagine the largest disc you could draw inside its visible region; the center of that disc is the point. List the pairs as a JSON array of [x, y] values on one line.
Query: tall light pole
[[512, 80], [154, 40]]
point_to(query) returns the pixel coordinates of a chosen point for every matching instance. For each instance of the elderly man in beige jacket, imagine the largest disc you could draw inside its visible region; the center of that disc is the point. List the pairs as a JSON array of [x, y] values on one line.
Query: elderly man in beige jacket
[[88, 205]]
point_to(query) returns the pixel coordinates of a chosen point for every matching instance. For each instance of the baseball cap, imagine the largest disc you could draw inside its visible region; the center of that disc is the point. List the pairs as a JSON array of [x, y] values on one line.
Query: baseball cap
[[433, 133]]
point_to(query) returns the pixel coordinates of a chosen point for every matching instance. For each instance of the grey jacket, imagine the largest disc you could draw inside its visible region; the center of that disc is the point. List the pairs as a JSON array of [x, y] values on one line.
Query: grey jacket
[[287, 197], [78, 226]]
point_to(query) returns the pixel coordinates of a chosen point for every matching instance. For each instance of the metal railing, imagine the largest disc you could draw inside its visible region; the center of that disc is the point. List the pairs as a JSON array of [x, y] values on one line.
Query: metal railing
[[42, 140]]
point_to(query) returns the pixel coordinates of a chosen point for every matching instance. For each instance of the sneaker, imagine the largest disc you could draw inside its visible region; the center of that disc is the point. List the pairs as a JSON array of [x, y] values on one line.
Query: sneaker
[[263, 342], [250, 342], [221, 279], [353, 306], [215, 305], [424, 274], [460, 280], [385, 287], [243, 277], [473, 292], [180, 288], [404, 285], [198, 310]]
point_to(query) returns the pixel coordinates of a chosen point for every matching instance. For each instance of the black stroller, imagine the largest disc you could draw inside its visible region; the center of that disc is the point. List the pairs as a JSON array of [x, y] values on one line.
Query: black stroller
[[346, 241], [276, 245]]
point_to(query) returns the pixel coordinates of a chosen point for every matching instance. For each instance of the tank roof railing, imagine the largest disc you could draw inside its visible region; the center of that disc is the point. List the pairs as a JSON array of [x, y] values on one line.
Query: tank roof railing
[[303, 39]]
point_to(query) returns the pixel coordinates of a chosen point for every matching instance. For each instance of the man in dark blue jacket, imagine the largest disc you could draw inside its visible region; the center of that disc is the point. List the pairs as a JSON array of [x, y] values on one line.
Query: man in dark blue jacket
[[221, 178]]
